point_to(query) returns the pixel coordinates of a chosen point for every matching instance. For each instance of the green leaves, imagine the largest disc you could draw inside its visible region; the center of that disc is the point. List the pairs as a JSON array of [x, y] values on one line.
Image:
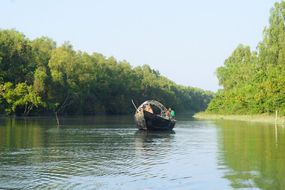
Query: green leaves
[[38, 77], [238, 68], [21, 97], [16, 59], [272, 48], [253, 82]]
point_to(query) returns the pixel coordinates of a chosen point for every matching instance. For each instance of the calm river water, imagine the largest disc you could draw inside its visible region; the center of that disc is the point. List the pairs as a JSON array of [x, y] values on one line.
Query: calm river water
[[110, 153]]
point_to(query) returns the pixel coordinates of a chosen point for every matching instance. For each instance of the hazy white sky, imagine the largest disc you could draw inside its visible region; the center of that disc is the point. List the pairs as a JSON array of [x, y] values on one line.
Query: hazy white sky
[[185, 40]]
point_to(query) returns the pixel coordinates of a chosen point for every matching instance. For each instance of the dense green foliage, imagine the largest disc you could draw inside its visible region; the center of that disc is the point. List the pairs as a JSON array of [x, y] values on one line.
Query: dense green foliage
[[37, 77], [254, 81]]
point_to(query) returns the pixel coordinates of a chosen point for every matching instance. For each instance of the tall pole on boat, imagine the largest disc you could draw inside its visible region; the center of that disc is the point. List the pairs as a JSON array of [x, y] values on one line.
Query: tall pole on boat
[[134, 105]]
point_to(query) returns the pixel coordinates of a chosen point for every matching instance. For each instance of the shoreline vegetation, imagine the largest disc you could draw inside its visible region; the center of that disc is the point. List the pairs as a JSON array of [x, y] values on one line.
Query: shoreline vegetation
[[38, 77], [253, 81], [258, 118]]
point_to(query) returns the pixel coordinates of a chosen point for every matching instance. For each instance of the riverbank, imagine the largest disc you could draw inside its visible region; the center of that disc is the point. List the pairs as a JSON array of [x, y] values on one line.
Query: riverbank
[[263, 118]]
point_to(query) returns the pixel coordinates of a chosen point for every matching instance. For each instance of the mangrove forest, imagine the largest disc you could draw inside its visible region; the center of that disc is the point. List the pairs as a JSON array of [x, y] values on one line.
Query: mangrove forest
[[254, 81], [37, 77]]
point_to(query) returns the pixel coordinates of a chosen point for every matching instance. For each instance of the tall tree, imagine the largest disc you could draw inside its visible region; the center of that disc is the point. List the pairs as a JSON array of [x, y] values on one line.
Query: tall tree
[[253, 82], [16, 60]]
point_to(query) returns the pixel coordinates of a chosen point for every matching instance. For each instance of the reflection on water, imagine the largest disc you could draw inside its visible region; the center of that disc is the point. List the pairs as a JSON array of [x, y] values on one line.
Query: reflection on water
[[254, 154], [110, 153]]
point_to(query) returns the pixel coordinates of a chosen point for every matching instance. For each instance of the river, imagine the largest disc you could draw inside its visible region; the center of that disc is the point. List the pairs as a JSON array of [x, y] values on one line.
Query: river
[[106, 152]]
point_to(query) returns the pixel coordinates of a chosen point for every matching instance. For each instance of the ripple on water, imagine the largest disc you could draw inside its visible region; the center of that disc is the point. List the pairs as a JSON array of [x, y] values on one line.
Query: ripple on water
[[84, 157]]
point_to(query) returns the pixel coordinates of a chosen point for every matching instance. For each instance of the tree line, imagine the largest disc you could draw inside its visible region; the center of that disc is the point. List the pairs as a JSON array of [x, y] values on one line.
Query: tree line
[[37, 77], [254, 81]]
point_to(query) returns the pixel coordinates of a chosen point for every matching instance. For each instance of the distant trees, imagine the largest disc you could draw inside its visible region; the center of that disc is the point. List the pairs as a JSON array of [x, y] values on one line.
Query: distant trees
[[39, 77], [253, 81], [16, 57]]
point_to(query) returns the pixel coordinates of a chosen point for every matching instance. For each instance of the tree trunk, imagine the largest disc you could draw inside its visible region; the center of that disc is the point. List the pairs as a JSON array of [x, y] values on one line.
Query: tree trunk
[[57, 119]]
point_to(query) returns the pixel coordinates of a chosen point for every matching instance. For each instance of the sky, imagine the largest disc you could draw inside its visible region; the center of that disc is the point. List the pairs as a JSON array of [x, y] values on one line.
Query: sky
[[185, 40]]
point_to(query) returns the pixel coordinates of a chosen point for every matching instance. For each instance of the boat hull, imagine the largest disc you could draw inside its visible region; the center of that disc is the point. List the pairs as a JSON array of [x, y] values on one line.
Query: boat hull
[[149, 121]]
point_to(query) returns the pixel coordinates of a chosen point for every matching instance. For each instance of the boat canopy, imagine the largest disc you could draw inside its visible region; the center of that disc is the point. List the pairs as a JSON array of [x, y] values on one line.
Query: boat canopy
[[155, 105]]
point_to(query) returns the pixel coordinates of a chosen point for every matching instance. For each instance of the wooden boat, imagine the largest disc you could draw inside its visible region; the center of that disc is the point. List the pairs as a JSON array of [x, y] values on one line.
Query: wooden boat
[[151, 115]]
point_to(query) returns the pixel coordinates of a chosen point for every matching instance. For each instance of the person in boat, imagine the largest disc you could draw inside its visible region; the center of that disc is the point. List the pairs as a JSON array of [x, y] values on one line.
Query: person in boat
[[167, 113], [172, 113], [148, 108]]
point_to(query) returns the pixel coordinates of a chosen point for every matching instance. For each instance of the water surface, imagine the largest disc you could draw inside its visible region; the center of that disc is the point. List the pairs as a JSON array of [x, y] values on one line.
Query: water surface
[[110, 153]]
